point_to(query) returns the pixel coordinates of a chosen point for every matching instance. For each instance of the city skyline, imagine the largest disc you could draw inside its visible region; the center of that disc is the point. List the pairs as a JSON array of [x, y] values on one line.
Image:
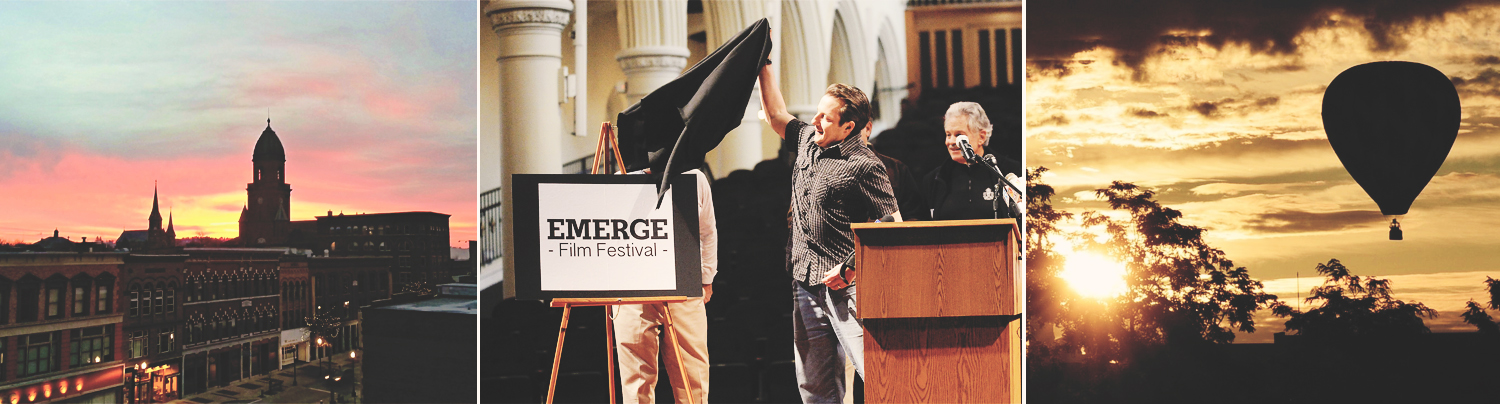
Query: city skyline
[[1217, 108], [373, 102]]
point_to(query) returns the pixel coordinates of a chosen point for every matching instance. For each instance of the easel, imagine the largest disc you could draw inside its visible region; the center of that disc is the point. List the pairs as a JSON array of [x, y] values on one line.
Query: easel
[[609, 142]]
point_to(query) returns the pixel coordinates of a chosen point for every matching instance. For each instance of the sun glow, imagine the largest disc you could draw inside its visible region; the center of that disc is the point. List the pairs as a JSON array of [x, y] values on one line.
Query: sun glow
[[1095, 276]]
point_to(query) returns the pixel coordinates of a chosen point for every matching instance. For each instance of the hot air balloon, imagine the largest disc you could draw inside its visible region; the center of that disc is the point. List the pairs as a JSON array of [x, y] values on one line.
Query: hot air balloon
[[1392, 125]]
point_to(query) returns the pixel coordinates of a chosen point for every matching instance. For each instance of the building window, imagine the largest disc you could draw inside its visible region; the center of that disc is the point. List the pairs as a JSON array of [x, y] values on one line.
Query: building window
[[27, 299], [171, 298], [137, 344], [146, 300], [54, 302], [80, 300], [160, 295], [4, 307], [135, 300], [56, 287], [166, 340], [38, 354], [104, 297], [91, 345]]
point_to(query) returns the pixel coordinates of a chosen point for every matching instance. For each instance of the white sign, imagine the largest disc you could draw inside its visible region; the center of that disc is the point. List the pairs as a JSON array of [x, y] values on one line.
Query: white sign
[[605, 237]]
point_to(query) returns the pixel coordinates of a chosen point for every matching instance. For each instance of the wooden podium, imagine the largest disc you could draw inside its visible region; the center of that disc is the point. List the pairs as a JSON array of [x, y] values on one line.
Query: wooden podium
[[939, 301]]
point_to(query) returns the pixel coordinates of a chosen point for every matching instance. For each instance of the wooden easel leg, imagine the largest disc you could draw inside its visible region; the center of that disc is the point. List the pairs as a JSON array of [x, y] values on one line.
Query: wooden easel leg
[[609, 333], [672, 336], [562, 331]]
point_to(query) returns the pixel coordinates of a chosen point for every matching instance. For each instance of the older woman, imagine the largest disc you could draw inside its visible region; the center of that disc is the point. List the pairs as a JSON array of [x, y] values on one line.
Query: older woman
[[961, 189]]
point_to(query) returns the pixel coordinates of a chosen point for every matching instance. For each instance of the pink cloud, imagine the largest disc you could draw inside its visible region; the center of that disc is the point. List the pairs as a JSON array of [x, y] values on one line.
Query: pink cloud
[[89, 194]]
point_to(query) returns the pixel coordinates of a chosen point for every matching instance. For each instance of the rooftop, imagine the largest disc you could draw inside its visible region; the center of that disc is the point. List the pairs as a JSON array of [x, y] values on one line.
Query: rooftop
[[441, 304]]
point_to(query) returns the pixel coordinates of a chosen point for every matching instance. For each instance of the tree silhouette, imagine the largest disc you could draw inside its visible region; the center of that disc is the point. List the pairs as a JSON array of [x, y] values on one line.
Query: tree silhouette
[[1042, 261], [1181, 291], [1475, 314], [1353, 305]]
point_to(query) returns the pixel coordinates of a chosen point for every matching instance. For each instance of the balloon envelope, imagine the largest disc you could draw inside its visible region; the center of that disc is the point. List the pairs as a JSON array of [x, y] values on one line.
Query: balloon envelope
[[1392, 125]]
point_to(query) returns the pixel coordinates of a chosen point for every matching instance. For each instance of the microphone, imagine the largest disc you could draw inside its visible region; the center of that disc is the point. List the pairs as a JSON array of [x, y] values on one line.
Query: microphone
[[969, 155]]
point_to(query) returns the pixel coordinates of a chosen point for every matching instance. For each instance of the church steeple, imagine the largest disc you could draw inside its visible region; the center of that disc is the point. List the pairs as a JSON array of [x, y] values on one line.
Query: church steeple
[[155, 219], [171, 233]]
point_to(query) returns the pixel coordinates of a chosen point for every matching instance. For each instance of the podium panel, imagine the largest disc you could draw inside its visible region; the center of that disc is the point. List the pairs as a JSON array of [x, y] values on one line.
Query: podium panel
[[940, 300]]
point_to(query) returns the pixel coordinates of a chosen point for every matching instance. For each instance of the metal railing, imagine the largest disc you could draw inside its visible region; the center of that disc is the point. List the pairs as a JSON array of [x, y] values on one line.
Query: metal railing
[[490, 226]]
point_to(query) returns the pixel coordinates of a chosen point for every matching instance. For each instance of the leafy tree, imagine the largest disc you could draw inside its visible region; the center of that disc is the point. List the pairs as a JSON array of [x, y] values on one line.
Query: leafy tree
[[1475, 314], [1042, 261], [324, 324], [1181, 291], [1492, 285], [1354, 305]]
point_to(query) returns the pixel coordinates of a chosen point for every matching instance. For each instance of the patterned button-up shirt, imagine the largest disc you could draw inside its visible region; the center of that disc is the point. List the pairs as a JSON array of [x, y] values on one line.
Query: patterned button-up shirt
[[831, 188]]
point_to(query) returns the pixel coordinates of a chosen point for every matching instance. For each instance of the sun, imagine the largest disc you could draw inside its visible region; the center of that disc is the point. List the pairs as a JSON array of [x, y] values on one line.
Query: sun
[[1093, 275]]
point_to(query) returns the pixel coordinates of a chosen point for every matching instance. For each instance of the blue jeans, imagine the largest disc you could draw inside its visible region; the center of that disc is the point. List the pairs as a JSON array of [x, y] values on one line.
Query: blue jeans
[[825, 329]]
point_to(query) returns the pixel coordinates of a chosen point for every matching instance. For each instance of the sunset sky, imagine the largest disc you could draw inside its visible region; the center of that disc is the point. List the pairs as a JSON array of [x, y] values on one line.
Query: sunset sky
[[374, 102], [1216, 105]]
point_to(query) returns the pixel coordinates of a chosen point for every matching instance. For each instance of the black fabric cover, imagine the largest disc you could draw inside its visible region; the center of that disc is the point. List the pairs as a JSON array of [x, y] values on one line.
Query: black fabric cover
[[685, 119]]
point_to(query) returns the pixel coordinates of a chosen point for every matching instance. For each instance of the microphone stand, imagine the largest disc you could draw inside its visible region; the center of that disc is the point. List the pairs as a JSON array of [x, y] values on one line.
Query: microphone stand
[[1000, 176]]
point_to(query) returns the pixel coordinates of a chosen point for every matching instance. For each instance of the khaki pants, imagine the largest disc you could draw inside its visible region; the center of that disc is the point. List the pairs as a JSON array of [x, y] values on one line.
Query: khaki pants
[[638, 339]]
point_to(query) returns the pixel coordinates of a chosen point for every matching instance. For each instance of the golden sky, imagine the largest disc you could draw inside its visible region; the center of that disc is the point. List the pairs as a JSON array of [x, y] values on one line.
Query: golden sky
[[1217, 107]]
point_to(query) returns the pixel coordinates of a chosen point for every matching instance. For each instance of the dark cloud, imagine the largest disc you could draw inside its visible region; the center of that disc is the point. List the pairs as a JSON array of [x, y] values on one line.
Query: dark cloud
[[20, 152], [1294, 221], [1486, 82], [1214, 109], [1208, 108], [1057, 29], [1487, 60], [1054, 120], [1145, 113]]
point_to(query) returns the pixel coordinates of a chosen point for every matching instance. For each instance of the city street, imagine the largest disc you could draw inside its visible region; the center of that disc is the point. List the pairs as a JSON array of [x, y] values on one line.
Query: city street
[[311, 386]]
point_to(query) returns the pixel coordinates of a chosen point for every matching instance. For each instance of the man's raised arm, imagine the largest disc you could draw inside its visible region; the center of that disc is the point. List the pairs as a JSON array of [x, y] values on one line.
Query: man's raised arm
[[772, 103]]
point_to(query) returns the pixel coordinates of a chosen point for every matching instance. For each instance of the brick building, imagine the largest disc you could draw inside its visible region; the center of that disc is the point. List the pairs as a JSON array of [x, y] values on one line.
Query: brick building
[[153, 319], [417, 242], [232, 323], [60, 327]]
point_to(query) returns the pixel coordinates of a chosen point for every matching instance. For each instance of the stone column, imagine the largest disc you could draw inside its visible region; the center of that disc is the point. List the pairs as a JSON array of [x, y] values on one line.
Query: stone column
[[530, 125], [653, 43], [742, 148], [805, 57]]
